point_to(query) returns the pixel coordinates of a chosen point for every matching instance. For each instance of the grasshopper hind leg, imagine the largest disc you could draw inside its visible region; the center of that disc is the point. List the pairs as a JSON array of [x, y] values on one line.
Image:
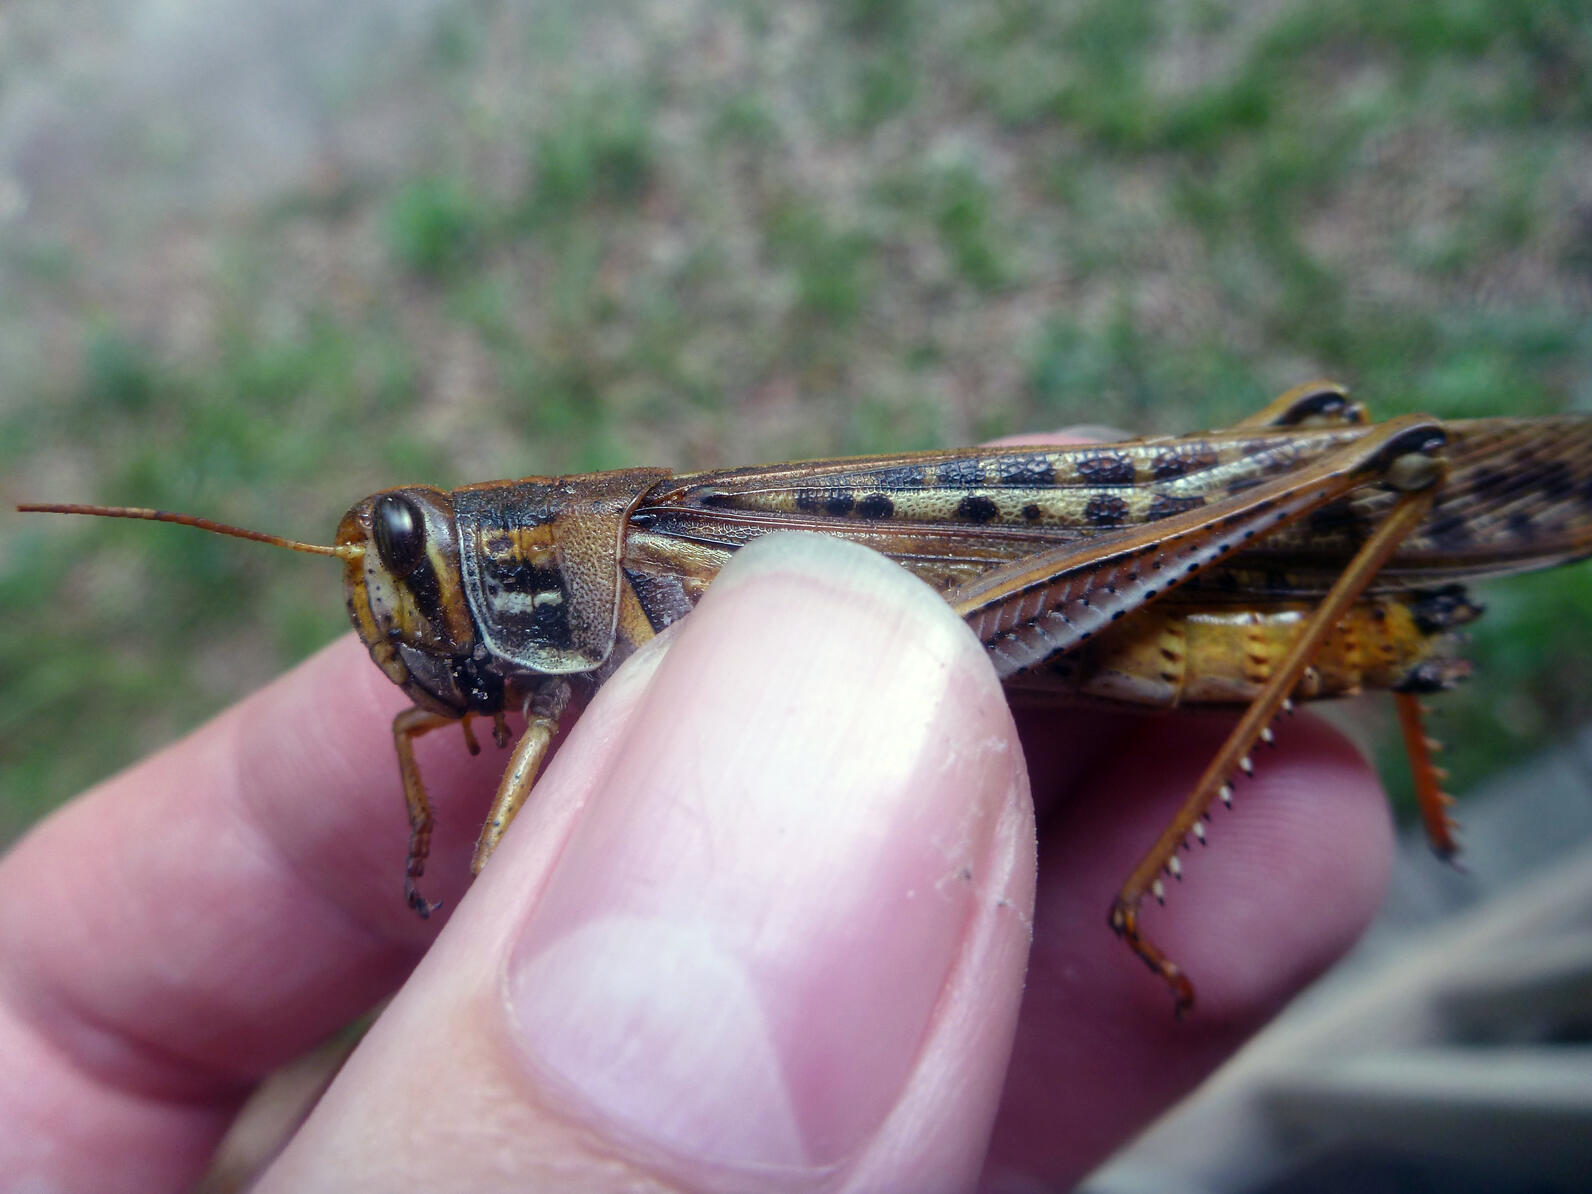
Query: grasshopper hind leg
[[1433, 802], [1253, 727], [1313, 404]]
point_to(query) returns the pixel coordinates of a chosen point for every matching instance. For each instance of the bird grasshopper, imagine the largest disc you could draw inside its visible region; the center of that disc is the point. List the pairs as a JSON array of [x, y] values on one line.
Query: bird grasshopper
[[1305, 553]]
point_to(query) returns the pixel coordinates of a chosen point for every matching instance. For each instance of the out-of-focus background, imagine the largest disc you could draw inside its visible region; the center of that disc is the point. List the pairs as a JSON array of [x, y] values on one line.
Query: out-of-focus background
[[260, 258]]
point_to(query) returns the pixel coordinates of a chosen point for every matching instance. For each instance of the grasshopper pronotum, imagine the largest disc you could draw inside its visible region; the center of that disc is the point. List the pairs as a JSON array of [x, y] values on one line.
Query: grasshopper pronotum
[[1305, 553]]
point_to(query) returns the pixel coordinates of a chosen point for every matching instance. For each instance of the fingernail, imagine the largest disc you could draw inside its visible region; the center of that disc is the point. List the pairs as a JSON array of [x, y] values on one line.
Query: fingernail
[[738, 954]]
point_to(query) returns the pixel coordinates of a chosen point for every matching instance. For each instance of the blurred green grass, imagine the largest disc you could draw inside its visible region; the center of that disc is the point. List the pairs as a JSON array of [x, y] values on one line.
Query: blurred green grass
[[742, 231]]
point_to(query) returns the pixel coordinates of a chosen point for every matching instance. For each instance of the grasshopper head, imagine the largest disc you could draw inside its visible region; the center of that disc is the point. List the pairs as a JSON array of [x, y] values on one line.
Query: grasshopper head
[[407, 602]]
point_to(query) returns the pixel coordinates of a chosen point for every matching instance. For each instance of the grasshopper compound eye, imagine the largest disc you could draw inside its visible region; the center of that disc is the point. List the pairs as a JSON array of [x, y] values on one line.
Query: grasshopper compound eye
[[400, 534]]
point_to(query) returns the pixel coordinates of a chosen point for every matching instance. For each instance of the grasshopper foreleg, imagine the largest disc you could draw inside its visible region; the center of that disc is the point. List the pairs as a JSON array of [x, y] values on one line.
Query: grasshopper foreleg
[[542, 711], [406, 727]]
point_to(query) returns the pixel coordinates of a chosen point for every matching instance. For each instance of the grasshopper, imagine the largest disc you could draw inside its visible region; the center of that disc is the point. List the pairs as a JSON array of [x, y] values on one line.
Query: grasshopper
[[1305, 553]]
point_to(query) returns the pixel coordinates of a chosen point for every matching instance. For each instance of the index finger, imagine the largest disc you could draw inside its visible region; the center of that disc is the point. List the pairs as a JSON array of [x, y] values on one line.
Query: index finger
[[194, 922]]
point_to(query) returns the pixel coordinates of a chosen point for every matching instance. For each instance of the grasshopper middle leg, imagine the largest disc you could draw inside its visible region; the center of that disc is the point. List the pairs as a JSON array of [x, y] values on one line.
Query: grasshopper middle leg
[[542, 714]]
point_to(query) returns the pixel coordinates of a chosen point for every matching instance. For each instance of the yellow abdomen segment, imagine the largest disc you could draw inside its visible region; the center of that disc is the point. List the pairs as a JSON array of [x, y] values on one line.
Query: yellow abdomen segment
[[1170, 655]]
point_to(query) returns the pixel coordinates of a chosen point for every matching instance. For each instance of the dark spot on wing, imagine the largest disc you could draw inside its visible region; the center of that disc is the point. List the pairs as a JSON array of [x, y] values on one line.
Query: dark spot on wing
[[1106, 468], [1105, 510], [904, 476], [1519, 524], [1168, 466], [1489, 482], [1336, 518], [1556, 481], [958, 474], [840, 503], [975, 507], [1449, 530], [1164, 505], [809, 499], [876, 505], [1024, 471], [1242, 484], [1551, 478], [718, 499], [1032, 512], [1175, 462]]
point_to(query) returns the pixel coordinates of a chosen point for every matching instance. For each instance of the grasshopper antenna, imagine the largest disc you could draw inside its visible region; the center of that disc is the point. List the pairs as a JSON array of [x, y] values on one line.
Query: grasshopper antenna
[[345, 551]]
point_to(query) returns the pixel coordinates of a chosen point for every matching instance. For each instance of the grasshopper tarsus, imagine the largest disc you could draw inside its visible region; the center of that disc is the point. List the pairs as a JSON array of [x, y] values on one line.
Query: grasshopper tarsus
[[422, 906], [1124, 922], [419, 903], [415, 869]]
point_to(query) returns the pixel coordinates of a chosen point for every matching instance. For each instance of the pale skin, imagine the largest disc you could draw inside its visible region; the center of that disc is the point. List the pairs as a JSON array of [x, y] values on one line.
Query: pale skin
[[766, 922]]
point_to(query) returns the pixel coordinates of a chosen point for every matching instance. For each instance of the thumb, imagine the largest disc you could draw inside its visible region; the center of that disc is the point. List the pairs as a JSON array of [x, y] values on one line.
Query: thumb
[[763, 923]]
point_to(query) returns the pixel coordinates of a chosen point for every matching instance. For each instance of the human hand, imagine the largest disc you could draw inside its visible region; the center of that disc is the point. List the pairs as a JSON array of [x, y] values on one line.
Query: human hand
[[763, 924]]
